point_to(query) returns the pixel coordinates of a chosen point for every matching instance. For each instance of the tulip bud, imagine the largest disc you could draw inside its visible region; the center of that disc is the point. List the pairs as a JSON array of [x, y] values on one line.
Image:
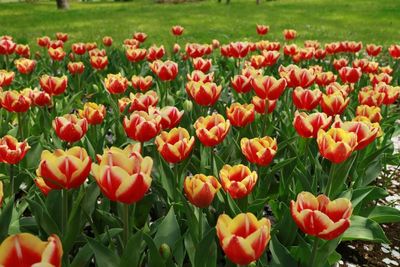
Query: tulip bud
[[187, 106], [165, 251]]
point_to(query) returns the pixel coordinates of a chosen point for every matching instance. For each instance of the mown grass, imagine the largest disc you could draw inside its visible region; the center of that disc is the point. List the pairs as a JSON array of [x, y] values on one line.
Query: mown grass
[[359, 20]]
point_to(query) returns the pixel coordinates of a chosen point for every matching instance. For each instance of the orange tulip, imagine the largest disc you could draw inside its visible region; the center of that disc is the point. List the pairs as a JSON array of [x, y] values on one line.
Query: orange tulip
[[205, 94], [175, 145], [202, 64], [107, 41], [93, 113], [241, 83], [372, 113], [53, 85], [141, 83], [15, 101], [143, 101], [336, 144], [116, 83], [140, 36], [212, 130], [262, 106], [166, 70], [268, 87], [142, 126], [200, 189], [306, 99], [99, 62], [123, 176], [170, 117], [76, 67], [135, 54], [307, 126], [177, 30], [56, 54], [289, 34], [240, 115], [262, 29], [321, 217], [69, 128], [370, 97], [64, 169], [260, 151], [243, 238], [334, 103], [28, 250], [155, 53], [6, 78], [25, 65], [12, 151], [237, 180]]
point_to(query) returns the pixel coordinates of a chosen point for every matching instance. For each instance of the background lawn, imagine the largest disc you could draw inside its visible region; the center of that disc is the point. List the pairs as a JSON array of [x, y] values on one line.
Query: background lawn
[[359, 20]]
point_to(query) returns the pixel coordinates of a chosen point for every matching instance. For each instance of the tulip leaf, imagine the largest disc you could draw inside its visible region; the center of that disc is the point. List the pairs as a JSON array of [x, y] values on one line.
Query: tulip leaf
[[104, 256], [43, 218], [280, 255], [206, 251], [364, 194], [190, 247], [168, 231], [131, 255], [362, 228], [383, 214], [5, 218], [154, 257]]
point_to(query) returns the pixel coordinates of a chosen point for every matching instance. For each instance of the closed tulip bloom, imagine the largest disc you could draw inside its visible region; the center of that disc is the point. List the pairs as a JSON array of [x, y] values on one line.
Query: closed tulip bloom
[[131, 43], [62, 36], [334, 104], [394, 51], [25, 65], [240, 115], [116, 83], [350, 75], [308, 125], [142, 126], [237, 180], [6, 78], [64, 169], [320, 53], [212, 130], [335, 87], [290, 49], [93, 113], [258, 61], [142, 83], [95, 52], [198, 76], [176, 48], [366, 132], [143, 101], [263, 106], [43, 41], [260, 151], [325, 78], [78, 48], [43, 187], [170, 117], [155, 53], [177, 30], [175, 145], [262, 29], [268, 87], [7, 46], [382, 77], [23, 50], [197, 50], [205, 94], [25, 249], [53, 85], [321, 217], [56, 54], [140, 36], [69, 128], [202, 64], [391, 93], [271, 57], [370, 97], [306, 99], [340, 63], [135, 54], [56, 44], [122, 176], [298, 77], [14, 101], [243, 238], [239, 49], [241, 83], [372, 113], [336, 144], [166, 70], [99, 62], [289, 34], [107, 41], [12, 151], [200, 189]]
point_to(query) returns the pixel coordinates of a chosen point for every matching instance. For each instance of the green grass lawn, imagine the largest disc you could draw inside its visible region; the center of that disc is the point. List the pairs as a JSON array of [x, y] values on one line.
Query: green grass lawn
[[359, 20]]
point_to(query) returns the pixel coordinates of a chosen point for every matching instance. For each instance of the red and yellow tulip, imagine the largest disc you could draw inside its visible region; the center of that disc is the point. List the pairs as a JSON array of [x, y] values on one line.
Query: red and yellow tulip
[[260, 151], [175, 145], [53, 85], [237, 180], [212, 130], [12, 151], [336, 144], [142, 126], [200, 189], [70, 128], [240, 115]]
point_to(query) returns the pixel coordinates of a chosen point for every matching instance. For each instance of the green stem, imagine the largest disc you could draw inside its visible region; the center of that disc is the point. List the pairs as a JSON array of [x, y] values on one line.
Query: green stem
[[126, 224], [330, 179], [12, 180], [212, 160], [200, 223], [20, 132], [64, 196], [314, 252]]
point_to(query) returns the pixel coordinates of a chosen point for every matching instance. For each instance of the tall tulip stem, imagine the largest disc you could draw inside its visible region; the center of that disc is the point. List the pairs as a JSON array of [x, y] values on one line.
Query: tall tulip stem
[[126, 224], [12, 178], [20, 132], [314, 252], [64, 197], [212, 160], [200, 223]]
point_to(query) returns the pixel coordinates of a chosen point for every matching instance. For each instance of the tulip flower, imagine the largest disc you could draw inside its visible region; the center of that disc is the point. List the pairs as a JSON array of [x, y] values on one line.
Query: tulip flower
[[200, 189], [53, 85], [116, 83], [270, 57], [25, 249], [204, 94], [95, 52], [56, 44], [142, 126], [93, 113], [64, 169], [198, 76], [43, 41], [382, 77], [263, 106], [212, 130], [258, 61], [306, 99], [69, 128], [6, 78], [25, 65], [142, 83], [43, 187], [391, 93], [297, 77], [320, 54], [307, 126], [239, 49], [370, 97], [394, 51], [215, 43], [7, 46], [372, 113], [135, 54], [166, 70], [340, 63], [334, 104], [262, 29], [123, 176], [107, 41], [140, 36], [350, 75], [321, 217], [143, 101], [325, 78], [240, 115], [56, 54], [336, 144], [76, 67], [23, 50], [155, 53], [177, 30], [175, 145], [170, 117], [243, 238], [176, 48], [202, 64], [15, 101], [12, 151], [237, 180], [197, 50], [268, 87], [132, 43], [289, 34], [241, 83], [99, 62], [260, 151], [62, 36], [290, 49]]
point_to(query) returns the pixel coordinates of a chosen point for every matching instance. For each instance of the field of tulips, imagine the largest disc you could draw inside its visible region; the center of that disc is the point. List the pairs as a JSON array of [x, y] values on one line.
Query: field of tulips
[[237, 154]]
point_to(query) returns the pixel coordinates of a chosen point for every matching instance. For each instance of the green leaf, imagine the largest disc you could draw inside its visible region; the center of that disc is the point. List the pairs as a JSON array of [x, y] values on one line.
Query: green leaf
[[280, 255], [131, 255], [206, 251], [104, 256], [43, 218], [168, 231], [366, 194], [154, 257], [5, 218], [364, 229], [383, 214]]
